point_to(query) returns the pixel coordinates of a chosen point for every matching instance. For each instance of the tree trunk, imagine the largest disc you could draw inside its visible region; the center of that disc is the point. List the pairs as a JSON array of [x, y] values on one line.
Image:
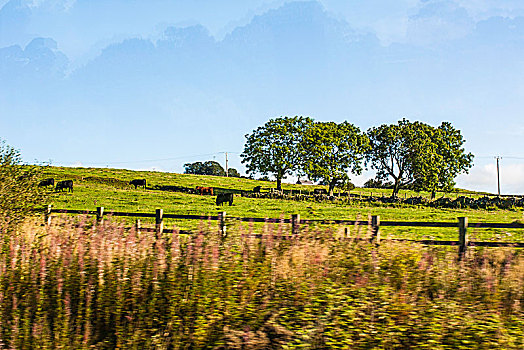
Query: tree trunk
[[279, 183], [331, 187], [396, 188], [433, 194]]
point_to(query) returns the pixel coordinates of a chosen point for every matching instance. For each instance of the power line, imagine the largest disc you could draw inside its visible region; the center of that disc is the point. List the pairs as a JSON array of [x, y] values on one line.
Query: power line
[[159, 159], [505, 157]]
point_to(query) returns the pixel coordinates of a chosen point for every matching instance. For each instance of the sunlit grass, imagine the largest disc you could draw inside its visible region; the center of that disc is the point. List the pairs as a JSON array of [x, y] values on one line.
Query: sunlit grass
[[117, 195]]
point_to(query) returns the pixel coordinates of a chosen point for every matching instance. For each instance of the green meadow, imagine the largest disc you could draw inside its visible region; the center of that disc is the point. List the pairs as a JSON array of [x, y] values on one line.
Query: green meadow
[[76, 285], [109, 188]]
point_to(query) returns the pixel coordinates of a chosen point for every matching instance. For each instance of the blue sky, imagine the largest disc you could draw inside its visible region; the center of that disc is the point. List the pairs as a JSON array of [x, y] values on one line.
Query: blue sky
[[116, 83]]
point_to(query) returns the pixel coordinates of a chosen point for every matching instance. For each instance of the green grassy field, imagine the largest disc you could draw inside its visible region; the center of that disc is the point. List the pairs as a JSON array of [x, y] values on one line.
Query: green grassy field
[[104, 287], [109, 188]]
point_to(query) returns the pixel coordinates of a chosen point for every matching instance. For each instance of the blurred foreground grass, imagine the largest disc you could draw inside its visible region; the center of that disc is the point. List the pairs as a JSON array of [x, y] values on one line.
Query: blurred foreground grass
[[77, 286]]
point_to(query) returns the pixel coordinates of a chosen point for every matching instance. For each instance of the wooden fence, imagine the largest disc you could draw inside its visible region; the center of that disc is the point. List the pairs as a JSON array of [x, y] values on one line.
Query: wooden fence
[[375, 224]]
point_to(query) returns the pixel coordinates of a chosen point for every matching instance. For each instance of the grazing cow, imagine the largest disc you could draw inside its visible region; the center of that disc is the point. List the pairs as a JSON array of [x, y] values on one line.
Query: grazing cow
[[205, 190], [225, 197], [320, 191], [65, 185], [257, 189], [138, 183], [47, 182]]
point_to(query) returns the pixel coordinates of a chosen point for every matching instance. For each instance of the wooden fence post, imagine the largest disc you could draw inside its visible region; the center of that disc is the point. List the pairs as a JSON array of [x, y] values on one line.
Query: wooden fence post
[[463, 236], [138, 225], [375, 229], [159, 222], [47, 215], [295, 222], [222, 223], [99, 214]]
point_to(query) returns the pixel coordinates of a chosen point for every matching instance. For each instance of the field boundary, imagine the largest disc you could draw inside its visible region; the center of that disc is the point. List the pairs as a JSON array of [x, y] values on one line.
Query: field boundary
[[373, 225]]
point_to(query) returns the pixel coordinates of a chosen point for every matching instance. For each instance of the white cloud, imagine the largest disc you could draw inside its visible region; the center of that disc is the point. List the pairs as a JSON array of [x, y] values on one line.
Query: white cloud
[[482, 9], [484, 178], [439, 21], [56, 4]]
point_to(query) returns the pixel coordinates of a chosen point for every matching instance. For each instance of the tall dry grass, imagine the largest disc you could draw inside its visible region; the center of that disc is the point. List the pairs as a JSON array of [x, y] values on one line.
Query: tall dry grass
[[77, 286]]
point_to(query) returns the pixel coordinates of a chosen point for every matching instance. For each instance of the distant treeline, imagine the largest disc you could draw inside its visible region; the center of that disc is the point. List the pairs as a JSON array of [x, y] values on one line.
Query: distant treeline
[[209, 168]]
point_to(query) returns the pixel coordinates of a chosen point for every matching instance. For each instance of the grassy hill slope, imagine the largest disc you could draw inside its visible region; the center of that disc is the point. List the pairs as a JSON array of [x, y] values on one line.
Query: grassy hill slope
[[110, 189]]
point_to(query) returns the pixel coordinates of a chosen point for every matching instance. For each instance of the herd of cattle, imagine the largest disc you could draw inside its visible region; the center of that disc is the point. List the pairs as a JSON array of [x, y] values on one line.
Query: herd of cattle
[[68, 185], [320, 194], [60, 185]]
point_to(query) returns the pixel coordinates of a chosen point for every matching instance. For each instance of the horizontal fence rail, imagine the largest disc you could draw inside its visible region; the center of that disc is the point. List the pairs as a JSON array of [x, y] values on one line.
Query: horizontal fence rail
[[375, 224]]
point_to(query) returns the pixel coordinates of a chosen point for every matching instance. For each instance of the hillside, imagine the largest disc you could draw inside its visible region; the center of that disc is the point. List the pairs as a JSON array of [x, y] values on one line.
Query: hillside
[[109, 188]]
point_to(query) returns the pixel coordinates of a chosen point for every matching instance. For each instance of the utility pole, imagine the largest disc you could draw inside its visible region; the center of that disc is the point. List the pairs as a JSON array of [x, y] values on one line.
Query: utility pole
[[227, 171], [498, 174]]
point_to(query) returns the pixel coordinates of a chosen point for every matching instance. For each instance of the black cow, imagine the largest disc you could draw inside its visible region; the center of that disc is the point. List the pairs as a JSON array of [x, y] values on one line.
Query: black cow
[[320, 191], [65, 185], [138, 183], [257, 189], [225, 197], [47, 182]]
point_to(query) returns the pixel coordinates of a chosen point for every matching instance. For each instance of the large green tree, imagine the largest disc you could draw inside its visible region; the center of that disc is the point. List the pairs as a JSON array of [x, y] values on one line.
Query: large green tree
[[330, 151], [273, 147], [418, 155], [440, 159], [391, 153]]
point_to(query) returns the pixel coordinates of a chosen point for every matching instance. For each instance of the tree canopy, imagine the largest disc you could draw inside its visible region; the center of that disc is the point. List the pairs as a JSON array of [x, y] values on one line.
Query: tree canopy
[[273, 147], [207, 168], [330, 151], [232, 172], [417, 155], [441, 159]]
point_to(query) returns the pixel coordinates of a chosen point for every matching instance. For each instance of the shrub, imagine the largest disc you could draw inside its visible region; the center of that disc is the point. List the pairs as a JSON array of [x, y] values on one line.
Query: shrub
[[19, 191], [374, 183]]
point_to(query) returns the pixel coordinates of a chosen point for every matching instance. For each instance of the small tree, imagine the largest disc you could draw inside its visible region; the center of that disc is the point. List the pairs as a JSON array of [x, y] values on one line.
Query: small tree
[[196, 168], [329, 151], [207, 168], [232, 172], [214, 168], [273, 147], [19, 190]]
